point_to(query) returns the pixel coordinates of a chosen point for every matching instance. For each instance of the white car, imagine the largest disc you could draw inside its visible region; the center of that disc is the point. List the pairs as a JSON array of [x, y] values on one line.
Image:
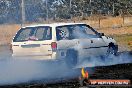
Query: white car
[[61, 41]]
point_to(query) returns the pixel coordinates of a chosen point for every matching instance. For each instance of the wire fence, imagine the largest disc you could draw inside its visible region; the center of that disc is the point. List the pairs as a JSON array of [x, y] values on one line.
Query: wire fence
[[17, 11], [96, 13]]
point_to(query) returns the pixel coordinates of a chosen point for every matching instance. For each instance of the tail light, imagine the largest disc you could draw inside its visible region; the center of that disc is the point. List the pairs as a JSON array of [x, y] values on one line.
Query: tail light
[[54, 45]]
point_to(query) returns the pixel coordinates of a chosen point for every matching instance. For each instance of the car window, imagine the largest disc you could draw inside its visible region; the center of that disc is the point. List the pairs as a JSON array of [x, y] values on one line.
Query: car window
[[33, 34], [23, 34], [42, 33], [83, 31], [62, 33], [75, 32]]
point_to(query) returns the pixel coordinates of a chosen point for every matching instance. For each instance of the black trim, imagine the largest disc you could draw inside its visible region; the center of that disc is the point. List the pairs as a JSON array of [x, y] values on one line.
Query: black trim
[[95, 47]]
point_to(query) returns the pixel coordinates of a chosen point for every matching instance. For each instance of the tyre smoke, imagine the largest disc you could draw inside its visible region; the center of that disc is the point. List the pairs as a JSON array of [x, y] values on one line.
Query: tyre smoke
[[110, 60]]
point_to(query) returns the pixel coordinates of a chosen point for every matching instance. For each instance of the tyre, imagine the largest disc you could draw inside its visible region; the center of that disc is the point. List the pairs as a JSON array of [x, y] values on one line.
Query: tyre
[[71, 58], [112, 49]]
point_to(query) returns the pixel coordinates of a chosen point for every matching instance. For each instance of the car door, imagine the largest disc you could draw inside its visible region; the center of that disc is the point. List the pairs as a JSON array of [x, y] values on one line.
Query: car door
[[91, 43]]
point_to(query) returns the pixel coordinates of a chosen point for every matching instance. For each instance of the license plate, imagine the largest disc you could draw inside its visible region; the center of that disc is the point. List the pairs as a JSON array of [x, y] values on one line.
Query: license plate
[[30, 46]]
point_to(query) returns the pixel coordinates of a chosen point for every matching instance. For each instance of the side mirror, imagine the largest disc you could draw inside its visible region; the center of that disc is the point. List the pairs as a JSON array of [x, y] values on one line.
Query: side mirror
[[101, 34]]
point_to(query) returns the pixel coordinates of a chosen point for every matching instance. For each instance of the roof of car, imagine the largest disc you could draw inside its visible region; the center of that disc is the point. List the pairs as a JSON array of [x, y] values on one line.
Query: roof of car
[[52, 24]]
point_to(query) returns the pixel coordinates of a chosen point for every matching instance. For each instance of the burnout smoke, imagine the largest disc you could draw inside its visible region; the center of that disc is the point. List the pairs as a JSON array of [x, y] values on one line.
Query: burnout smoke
[[14, 71], [22, 71], [110, 60], [19, 71]]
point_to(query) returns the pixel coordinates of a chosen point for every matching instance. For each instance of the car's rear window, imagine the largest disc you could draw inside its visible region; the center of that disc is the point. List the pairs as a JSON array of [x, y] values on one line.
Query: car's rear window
[[76, 31], [34, 34]]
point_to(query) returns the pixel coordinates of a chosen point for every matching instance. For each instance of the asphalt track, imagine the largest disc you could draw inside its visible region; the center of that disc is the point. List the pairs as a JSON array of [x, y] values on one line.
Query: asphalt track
[[121, 71]]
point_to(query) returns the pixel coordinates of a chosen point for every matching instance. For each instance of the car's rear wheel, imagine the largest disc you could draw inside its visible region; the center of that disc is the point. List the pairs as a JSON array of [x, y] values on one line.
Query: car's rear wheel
[[71, 58]]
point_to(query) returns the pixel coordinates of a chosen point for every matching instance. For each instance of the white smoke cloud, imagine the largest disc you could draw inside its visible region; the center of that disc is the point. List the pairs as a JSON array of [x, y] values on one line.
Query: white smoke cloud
[[110, 60], [24, 70], [19, 71], [13, 71]]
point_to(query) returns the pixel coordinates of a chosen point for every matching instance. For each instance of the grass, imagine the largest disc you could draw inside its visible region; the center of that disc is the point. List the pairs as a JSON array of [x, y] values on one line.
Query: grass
[[123, 41], [112, 26], [117, 31], [7, 32]]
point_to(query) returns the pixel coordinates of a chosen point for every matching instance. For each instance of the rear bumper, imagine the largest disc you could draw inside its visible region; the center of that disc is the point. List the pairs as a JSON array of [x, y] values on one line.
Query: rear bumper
[[35, 57], [56, 55]]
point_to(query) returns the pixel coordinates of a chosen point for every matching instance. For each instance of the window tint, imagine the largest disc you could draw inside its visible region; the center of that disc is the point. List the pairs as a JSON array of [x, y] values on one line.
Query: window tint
[[75, 32], [42, 33], [33, 34], [39, 33], [23, 35]]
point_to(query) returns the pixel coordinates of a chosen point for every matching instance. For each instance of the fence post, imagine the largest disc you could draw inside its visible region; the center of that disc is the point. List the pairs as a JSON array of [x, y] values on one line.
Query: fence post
[[23, 12], [123, 20], [99, 21]]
